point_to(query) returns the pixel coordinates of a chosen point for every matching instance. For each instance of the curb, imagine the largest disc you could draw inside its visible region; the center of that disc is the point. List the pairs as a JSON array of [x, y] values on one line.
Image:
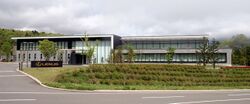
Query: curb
[[43, 85], [74, 90]]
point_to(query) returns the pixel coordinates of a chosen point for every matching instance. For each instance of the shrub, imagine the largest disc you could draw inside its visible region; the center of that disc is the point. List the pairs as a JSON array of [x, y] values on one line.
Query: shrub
[[157, 75]]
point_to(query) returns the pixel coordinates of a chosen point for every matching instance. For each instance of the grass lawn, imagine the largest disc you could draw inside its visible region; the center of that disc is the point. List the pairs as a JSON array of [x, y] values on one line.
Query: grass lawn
[[48, 75]]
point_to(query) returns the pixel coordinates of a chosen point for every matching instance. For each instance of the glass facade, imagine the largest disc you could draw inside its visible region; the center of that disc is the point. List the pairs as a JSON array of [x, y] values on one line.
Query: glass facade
[[178, 44], [178, 58], [101, 53], [146, 50], [181, 57], [33, 46]]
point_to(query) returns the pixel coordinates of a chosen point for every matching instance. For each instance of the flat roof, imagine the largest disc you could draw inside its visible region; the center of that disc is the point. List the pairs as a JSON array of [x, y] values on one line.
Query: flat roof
[[65, 36], [165, 37], [159, 37]]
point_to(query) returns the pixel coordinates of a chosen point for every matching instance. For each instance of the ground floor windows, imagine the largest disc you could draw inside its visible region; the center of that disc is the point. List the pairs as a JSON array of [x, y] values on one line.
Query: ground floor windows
[[178, 58]]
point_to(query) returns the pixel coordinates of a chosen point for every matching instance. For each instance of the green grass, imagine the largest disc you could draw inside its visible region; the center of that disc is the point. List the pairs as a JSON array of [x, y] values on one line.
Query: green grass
[[48, 75], [86, 86], [142, 77]]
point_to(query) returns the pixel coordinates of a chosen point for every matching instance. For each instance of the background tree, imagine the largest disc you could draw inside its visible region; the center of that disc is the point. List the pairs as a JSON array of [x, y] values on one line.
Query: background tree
[[6, 49], [6, 34], [248, 55], [47, 48], [170, 54], [238, 44]]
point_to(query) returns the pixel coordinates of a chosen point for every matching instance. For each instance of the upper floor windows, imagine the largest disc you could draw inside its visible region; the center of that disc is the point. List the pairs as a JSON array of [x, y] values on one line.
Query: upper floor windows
[[165, 44], [33, 46]]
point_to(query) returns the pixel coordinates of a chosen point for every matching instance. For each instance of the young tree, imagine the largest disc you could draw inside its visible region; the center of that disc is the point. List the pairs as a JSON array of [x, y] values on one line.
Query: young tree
[[89, 52], [208, 52], [131, 54], [203, 52], [213, 51], [47, 48], [6, 49], [111, 56], [170, 54], [118, 55]]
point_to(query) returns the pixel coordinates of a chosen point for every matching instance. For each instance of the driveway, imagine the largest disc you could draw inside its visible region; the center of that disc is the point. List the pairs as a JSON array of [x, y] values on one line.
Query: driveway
[[16, 88]]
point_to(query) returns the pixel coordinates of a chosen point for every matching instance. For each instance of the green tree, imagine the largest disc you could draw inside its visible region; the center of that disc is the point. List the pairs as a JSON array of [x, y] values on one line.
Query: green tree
[[213, 51], [170, 54], [248, 55], [203, 52], [6, 34], [89, 52], [244, 54], [118, 55], [6, 49], [111, 56], [131, 54], [238, 44], [239, 41], [47, 48]]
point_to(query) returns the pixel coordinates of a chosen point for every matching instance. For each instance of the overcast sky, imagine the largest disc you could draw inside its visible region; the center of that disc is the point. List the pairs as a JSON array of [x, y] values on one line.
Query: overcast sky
[[218, 18]]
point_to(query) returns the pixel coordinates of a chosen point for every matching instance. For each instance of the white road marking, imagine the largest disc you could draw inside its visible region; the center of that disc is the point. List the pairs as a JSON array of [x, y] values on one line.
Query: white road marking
[[12, 75], [8, 100], [7, 71], [211, 101], [64, 93], [161, 97], [238, 94]]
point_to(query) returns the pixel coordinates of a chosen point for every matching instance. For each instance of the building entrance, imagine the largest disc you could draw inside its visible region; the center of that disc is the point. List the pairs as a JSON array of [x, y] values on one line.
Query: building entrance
[[77, 59]]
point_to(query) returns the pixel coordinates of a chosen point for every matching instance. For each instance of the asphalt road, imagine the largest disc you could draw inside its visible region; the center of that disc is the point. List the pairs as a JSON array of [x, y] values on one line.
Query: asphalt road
[[16, 88]]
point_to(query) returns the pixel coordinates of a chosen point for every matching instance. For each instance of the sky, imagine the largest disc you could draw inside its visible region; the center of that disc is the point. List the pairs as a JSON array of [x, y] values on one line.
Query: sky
[[218, 18]]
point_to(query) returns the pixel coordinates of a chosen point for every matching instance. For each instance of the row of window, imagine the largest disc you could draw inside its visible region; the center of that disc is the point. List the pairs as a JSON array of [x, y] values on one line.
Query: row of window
[[29, 46], [177, 58], [22, 57], [32, 46], [165, 45]]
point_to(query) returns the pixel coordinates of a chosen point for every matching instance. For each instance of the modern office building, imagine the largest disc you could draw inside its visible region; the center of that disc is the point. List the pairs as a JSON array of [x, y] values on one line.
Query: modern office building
[[148, 49]]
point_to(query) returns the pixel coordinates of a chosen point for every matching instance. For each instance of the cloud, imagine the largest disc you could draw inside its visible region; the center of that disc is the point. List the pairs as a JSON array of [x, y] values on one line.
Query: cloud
[[219, 18]]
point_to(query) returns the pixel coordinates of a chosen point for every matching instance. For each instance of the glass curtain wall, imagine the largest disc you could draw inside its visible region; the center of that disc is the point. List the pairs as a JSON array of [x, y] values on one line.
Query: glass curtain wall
[[179, 44], [178, 58]]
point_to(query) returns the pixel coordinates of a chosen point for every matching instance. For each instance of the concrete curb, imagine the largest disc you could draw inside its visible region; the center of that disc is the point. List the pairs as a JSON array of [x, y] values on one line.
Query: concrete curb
[[43, 85], [116, 91]]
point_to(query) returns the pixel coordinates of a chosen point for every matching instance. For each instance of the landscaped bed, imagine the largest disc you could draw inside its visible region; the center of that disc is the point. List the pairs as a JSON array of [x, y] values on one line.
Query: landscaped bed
[[143, 77]]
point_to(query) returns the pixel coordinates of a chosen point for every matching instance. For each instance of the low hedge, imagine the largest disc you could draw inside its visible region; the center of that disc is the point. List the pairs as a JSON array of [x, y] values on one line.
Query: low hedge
[[157, 74]]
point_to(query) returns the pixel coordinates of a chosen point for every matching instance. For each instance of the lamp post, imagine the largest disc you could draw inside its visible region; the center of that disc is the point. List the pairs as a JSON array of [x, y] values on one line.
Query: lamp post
[[25, 46]]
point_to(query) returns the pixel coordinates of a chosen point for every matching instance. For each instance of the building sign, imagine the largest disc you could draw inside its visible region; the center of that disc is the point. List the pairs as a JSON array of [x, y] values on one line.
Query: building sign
[[46, 63]]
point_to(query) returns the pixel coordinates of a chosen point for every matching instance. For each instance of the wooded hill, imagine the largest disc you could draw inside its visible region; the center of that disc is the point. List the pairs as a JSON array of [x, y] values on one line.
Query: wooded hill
[[6, 44]]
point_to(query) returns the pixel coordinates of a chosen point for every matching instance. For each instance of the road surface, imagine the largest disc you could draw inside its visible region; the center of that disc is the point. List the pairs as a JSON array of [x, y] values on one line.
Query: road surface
[[16, 88]]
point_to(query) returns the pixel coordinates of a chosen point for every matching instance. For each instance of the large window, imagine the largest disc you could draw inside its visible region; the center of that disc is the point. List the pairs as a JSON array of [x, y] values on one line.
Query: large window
[[165, 44], [139, 45]]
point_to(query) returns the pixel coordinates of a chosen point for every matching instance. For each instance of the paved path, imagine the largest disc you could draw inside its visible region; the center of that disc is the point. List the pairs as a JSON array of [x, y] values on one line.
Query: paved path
[[16, 88]]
